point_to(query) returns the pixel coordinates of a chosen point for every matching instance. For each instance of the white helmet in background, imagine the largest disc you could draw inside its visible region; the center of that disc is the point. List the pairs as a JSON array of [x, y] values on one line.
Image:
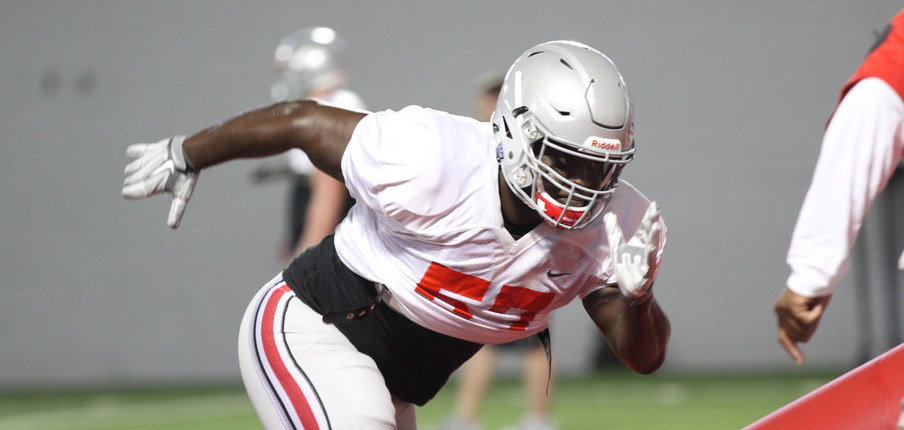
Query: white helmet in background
[[308, 60], [564, 123]]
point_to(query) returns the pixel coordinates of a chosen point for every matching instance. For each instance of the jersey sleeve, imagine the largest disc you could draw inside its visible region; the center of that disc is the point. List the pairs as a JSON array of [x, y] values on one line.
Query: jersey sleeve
[[861, 147], [394, 164]]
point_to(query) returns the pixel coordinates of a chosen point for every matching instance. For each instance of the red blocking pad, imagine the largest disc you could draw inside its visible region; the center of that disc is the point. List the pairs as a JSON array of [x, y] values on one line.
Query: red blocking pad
[[868, 397]]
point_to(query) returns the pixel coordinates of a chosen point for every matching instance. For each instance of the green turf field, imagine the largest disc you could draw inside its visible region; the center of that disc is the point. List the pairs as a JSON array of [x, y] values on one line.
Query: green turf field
[[612, 399]]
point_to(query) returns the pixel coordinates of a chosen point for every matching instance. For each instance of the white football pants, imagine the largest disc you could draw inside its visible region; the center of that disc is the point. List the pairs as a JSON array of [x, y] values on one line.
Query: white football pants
[[301, 373]]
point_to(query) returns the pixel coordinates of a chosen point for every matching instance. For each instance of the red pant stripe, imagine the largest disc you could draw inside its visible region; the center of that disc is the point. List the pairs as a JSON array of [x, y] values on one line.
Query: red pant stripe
[[283, 376]]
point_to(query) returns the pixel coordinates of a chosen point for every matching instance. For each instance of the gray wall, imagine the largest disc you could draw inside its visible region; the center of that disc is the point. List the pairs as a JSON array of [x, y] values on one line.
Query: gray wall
[[731, 99]]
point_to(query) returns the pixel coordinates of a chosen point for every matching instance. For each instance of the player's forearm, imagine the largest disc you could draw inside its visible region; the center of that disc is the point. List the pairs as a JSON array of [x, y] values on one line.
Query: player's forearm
[[637, 332], [321, 131], [324, 211], [642, 336]]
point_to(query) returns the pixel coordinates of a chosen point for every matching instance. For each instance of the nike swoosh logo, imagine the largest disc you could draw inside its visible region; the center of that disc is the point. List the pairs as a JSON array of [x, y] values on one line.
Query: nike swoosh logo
[[555, 275]]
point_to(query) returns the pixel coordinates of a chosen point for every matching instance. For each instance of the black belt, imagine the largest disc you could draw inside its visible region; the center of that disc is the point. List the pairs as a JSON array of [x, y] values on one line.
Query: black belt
[[354, 314]]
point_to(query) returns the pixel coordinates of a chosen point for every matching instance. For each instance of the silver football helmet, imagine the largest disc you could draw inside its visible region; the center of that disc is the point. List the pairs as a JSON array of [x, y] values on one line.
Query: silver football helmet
[[308, 60], [564, 124]]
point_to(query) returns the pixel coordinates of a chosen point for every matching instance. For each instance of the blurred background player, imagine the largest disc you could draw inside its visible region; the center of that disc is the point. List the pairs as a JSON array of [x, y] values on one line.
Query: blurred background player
[[861, 148], [477, 373], [310, 62]]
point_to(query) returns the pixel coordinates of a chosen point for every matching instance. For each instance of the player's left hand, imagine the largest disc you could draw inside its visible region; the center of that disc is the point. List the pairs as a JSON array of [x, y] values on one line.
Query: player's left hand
[[798, 318], [635, 262], [157, 168]]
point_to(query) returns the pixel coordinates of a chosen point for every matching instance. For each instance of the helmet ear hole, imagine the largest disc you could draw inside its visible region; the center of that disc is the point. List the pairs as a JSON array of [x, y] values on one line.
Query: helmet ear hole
[[508, 132]]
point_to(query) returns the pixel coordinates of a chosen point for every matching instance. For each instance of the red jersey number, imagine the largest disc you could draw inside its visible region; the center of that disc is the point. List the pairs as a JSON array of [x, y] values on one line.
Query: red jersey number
[[441, 280]]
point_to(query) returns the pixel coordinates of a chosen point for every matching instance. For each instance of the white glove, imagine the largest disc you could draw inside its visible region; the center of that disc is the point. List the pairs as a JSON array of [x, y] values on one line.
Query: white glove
[[160, 167], [635, 262], [901, 262]]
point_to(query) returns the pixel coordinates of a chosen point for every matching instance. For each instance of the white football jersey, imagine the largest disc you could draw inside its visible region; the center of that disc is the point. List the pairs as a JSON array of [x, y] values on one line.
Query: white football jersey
[[428, 225]]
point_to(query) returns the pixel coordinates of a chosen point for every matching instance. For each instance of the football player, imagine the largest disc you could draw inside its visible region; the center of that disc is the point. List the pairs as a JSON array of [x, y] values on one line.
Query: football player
[[310, 63], [464, 233]]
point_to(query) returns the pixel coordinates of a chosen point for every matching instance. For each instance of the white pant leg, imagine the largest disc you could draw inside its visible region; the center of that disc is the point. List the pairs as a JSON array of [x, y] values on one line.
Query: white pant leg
[[302, 373]]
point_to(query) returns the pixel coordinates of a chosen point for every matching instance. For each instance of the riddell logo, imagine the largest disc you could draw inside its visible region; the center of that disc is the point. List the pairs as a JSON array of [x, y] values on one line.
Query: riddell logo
[[601, 144]]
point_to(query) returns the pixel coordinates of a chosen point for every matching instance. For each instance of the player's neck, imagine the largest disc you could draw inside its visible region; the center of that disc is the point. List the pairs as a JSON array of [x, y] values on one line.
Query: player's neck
[[517, 215]]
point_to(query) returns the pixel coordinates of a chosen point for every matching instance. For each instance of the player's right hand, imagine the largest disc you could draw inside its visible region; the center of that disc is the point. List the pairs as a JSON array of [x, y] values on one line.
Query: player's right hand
[[157, 168]]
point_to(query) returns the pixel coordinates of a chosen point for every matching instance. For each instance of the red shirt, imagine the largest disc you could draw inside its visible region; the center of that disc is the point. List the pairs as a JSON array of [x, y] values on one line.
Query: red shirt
[[885, 60]]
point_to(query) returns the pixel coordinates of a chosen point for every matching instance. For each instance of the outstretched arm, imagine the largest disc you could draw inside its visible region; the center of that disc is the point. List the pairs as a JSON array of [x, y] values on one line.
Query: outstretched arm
[[322, 131], [637, 330], [172, 165]]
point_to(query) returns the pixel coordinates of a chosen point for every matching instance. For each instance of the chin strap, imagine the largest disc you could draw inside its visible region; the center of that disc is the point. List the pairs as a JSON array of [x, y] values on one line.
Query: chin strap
[[354, 314]]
